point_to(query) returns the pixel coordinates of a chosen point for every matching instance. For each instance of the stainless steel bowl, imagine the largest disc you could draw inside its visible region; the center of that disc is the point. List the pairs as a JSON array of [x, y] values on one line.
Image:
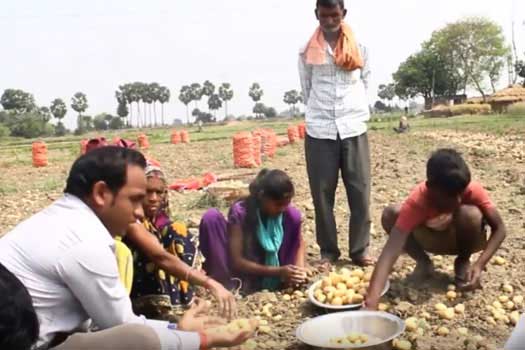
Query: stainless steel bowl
[[382, 327]]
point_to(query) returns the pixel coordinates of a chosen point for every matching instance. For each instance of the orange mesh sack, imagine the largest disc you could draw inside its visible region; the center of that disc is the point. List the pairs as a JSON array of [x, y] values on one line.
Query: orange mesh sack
[[175, 137], [243, 150], [83, 146], [39, 150], [269, 143], [257, 140], [302, 131], [185, 136], [293, 133], [143, 141]]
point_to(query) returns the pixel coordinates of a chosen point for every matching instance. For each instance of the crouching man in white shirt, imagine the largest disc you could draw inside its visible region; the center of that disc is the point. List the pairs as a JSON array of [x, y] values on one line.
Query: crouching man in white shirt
[[64, 256]]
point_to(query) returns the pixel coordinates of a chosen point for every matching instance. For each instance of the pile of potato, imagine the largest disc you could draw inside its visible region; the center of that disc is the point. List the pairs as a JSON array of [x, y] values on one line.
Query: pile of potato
[[345, 287], [506, 308], [239, 325], [354, 339]]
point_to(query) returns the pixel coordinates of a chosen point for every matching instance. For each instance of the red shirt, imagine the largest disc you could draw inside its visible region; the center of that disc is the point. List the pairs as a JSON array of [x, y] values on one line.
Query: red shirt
[[417, 209]]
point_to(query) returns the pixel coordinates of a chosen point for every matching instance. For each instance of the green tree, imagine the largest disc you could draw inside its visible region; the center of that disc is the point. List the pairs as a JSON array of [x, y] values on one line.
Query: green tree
[[477, 47], [154, 92], [208, 88], [256, 92], [116, 123], [164, 97], [79, 104], [270, 112], [17, 101], [214, 103], [186, 96], [196, 93], [100, 122], [387, 92], [226, 94], [259, 109], [45, 115], [292, 97], [27, 125], [122, 110], [58, 109], [147, 98], [426, 74]]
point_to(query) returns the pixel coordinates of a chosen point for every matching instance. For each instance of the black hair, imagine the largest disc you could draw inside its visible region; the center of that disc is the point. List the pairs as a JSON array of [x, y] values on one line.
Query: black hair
[[331, 3], [270, 184], [19, 327], [108, 164], [448, 172]]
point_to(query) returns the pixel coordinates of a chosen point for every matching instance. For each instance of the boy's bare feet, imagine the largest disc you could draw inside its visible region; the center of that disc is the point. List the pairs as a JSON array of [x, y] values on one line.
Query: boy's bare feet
[[423, 271]]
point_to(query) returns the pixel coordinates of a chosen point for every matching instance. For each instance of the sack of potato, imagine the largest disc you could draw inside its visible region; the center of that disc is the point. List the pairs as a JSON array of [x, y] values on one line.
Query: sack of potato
[[346, 287]]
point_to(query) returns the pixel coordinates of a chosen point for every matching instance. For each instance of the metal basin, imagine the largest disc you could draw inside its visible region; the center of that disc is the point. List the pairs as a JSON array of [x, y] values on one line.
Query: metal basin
[[381, 327]]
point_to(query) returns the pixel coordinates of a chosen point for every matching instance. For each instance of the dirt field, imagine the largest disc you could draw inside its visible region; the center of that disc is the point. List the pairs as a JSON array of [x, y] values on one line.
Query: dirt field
[[398, 164]]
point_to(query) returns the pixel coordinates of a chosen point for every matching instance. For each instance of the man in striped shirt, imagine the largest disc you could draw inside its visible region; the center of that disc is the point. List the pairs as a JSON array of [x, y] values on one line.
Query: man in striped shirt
[[334, 74]]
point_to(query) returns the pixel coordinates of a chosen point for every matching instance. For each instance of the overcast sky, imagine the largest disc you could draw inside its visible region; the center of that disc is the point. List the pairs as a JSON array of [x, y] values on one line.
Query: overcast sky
[[54, 48]]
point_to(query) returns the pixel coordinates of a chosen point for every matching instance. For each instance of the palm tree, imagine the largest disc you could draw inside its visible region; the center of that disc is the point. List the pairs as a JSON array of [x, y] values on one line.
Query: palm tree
[[226, 94], [147, 98], [214, 103], [164, 97], [154, 92], [196, 93], [208, 89], [79, 104], [186, 96]]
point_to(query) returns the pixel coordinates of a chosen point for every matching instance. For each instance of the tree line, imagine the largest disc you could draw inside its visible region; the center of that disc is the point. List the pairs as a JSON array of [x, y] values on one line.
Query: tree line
[[471, 53]]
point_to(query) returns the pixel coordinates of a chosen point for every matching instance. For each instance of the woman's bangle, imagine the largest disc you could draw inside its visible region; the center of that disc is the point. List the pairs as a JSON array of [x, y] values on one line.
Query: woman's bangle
[[204, 341], [188, 274]]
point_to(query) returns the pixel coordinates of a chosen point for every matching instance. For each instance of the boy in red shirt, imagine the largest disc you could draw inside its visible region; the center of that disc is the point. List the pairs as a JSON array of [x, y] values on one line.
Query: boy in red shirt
[[445, 215]]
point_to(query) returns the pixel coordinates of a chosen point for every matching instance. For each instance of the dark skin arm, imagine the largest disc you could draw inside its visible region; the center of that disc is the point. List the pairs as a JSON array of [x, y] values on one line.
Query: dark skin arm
[[301, 252], [391, 252], [290, 273], [498, 234], [151, 247]]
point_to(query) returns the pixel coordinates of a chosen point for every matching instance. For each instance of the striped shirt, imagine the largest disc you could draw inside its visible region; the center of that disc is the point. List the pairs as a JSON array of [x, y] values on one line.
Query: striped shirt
[[336, 100]]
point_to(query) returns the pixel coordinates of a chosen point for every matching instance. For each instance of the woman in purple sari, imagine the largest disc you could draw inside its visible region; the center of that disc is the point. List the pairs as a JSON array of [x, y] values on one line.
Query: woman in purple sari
[[260, 242]]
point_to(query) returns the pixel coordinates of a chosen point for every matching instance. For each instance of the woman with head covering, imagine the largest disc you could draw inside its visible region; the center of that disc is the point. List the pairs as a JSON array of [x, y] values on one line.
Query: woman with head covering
[[163, 256]]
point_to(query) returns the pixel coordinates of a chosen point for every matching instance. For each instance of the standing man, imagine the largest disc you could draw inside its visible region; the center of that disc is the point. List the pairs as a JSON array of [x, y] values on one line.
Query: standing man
[[334, 73]]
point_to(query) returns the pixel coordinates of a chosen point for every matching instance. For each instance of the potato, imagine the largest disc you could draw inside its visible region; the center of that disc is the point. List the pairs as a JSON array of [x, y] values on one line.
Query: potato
[[451, 288], [339, 293], [425, 315], [443, 331], [326, 282], [447, 314], [498, 260], [265, 330], [352, 281], [463, 331], [329, 297], [329, 289], [287, 297], [358, 299], [383, 307], [451, 295], [277, 318], [337, 301], [509, 305], [321, 298], [507, 288], [490, 320], [503, 299], [402, 345], [335, 278], [358, 273], [497, 305], [440, 307], [353, 337], [411, 324], [459, 308], [518, 300], [298, 294], [345, 272], [362, 291], [341, 286]]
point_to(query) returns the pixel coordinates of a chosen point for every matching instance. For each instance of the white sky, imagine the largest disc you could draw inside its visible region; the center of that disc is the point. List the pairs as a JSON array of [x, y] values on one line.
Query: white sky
[[54, 48]]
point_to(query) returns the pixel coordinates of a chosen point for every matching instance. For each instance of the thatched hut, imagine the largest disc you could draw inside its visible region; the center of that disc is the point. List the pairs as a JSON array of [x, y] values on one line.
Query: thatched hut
[[501, 100]]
